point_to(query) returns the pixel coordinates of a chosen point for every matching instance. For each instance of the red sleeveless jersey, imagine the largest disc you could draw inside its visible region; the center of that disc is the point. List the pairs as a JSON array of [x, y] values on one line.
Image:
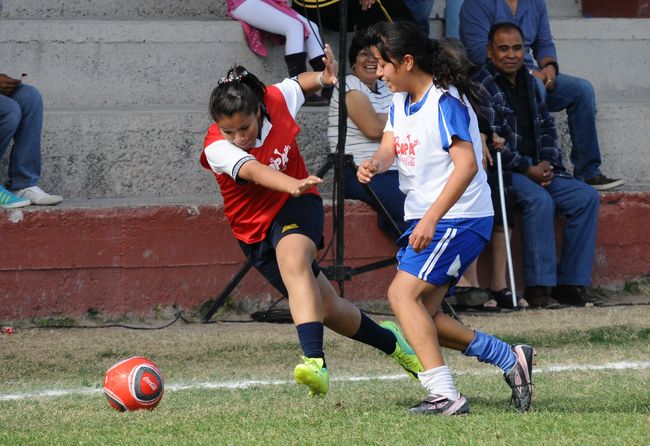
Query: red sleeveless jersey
[[251, 208]]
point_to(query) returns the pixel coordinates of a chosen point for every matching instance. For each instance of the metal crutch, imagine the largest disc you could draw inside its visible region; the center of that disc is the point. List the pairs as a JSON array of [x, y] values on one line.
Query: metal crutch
[[506, 230]]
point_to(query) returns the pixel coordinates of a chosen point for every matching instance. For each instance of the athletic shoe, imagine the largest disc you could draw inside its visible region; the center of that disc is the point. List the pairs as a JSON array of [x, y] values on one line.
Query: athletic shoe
[[38, 196], [601, 182], [520, 378], [313, 375], [441, 405], [403, 354], [11, 201]]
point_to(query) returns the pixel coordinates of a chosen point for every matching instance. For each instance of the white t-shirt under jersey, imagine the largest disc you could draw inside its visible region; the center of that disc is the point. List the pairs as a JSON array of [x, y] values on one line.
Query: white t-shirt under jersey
[[423, 133], [356, 143]]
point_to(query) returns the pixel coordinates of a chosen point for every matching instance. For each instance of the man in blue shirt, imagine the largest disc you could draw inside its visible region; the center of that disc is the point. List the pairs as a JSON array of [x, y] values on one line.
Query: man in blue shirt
[[540, 184], [561, 91]]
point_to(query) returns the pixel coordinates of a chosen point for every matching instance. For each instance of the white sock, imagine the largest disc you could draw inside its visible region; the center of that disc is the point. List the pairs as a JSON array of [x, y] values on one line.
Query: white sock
[[438, 381]]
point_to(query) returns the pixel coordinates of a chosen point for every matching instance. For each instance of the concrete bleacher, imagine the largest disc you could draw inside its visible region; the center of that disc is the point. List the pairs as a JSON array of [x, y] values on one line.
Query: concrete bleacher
[[126, 82]]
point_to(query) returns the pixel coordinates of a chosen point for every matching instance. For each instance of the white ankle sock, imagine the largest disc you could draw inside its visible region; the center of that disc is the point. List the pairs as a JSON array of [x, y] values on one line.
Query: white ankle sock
[[438, 381]]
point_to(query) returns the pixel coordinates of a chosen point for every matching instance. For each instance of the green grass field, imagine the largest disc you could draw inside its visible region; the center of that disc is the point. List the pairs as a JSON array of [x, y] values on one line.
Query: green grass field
[[592, 386]]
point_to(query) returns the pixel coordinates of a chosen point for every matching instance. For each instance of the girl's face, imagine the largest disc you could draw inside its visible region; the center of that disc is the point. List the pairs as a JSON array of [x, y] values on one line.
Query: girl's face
[[393, 73], [240, 129]]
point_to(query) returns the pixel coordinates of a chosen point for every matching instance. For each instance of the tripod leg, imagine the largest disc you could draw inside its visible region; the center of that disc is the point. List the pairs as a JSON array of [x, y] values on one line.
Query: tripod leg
[[221, 299]]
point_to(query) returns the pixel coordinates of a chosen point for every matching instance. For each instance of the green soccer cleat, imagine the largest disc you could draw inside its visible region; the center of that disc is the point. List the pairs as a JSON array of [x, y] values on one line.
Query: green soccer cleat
[[403, 354], [313, 375]]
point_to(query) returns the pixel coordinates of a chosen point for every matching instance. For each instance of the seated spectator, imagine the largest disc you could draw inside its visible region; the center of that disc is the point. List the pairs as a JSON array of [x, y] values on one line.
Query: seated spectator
[[361, 13], [560, 91], [21, 120], [540, 183], [367, 100], [302, 38]]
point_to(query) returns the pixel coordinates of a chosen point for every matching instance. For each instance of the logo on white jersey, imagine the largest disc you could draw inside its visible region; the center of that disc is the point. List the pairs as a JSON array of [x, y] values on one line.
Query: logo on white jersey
[[405, 150], [281, 160]]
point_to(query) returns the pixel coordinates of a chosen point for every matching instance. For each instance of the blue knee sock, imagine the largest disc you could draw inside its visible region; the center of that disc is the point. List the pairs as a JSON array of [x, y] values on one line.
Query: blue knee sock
[[494, 351], [310, 335]]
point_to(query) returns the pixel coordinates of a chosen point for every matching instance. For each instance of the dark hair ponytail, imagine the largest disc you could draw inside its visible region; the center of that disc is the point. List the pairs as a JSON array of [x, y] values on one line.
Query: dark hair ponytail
[[240, 91], [452, 66], [445, 60]]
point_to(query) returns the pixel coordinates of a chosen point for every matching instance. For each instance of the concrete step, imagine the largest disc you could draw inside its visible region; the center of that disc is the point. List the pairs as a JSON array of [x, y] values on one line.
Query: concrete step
[[623, 138], [114, 9], [143, 153], [130, 257], [81, 64], [99, 63], [153, 153], [611, 53]]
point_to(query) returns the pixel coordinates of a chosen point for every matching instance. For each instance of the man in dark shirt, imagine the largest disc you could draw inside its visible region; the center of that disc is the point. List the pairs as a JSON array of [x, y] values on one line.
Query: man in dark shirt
[[541, 185]]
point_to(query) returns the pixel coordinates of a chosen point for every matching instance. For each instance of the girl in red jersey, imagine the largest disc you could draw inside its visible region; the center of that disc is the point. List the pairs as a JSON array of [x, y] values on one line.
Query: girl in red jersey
[[276, 214]]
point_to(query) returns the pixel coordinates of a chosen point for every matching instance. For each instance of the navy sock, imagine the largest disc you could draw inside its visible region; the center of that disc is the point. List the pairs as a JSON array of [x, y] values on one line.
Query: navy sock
[[310, 335], [494, 351], [372, 334]]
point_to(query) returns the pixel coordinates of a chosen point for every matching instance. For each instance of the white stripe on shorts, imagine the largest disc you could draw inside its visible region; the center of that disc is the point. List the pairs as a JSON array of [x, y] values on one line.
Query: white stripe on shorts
[[436, 253]]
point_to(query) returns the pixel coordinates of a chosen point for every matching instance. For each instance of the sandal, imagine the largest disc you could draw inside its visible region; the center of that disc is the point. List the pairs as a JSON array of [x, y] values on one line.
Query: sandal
[[504, 299]]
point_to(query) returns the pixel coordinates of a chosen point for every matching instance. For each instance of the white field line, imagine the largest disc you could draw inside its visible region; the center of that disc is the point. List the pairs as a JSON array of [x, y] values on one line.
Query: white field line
[[259, 382]]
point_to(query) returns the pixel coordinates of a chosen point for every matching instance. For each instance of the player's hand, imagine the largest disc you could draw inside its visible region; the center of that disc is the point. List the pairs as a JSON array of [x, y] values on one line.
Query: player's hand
[[8, 84], [422, 234], [367, 169], [331, 67], [302, 186]]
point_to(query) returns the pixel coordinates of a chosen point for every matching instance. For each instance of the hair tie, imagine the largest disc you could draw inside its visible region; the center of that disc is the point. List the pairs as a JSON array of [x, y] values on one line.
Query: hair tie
[[233, 76]]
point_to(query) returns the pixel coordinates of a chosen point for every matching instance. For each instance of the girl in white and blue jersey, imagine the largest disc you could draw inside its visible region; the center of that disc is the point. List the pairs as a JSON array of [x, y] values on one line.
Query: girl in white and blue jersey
[[432, 132]]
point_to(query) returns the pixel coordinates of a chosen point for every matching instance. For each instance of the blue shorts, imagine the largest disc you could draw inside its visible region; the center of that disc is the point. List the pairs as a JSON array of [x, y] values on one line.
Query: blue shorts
[[300, 215], [456, 244]]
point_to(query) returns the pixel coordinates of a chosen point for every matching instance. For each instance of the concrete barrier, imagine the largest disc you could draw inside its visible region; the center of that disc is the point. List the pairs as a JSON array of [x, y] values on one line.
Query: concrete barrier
[[120, 257]]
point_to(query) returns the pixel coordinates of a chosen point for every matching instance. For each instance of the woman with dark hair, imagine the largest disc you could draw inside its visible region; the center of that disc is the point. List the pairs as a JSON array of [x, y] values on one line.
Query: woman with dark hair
[[367, 100], [276, 214], [432, 132]]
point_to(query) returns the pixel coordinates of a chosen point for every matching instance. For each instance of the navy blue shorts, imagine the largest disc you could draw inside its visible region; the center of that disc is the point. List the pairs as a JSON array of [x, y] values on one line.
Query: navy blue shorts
[[300, 215]]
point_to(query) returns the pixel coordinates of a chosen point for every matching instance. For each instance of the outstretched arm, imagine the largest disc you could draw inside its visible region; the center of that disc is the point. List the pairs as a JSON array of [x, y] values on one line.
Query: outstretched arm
[[312, 81], [256, 172]]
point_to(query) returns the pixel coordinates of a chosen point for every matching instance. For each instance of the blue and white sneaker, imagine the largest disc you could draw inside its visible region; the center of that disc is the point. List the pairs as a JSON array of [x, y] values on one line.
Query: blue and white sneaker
[[11, 201]]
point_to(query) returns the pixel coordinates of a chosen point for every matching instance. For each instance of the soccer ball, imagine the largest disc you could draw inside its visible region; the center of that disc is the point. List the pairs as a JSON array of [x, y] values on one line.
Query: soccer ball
[[133, 383]]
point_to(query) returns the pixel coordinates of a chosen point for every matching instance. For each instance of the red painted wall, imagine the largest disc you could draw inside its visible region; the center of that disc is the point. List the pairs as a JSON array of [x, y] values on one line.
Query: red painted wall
[[122, 260]]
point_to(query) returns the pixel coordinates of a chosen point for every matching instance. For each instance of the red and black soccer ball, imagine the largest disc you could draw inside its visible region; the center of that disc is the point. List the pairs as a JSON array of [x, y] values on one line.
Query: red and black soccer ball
[[134, 383]]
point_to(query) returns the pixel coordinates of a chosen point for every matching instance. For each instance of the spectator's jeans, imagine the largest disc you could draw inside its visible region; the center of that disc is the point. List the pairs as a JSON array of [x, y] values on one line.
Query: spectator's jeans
[[577, 97], [21, 119], [420, 10], [452, 18], [578, 203], [386, 187]]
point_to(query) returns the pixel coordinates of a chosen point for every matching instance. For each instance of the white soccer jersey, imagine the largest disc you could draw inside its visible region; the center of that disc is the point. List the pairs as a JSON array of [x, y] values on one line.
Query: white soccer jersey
[[423, 133]]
